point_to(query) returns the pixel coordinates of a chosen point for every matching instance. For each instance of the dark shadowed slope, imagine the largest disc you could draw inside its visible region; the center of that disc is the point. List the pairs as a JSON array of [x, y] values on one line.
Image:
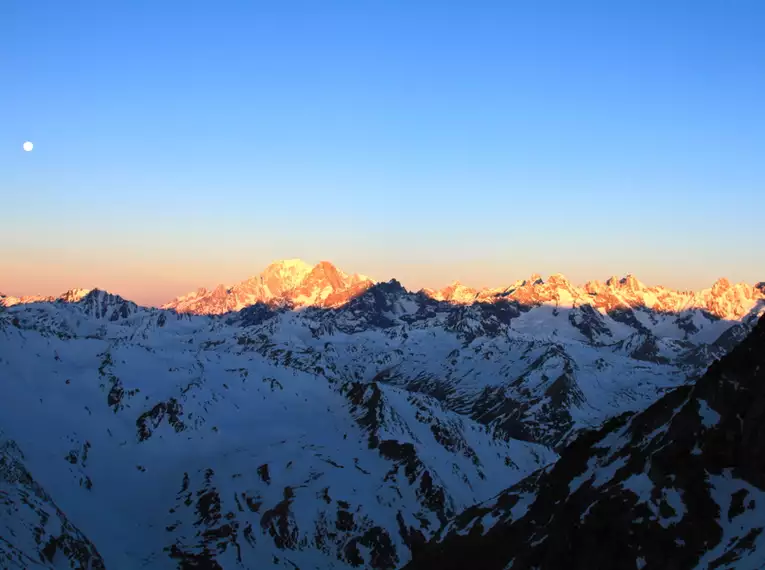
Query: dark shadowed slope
[[679, 485], [34, 533]]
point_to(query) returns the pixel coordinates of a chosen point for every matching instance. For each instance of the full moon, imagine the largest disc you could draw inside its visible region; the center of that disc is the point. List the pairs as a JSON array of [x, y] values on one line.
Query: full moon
[[28, 146]]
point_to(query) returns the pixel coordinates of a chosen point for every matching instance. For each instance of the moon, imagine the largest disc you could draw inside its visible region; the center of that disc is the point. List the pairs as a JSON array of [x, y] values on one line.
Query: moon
[[28, 146]]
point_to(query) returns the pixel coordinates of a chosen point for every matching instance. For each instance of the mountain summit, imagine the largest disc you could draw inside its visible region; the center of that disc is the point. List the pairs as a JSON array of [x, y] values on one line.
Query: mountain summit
[[290, 282]]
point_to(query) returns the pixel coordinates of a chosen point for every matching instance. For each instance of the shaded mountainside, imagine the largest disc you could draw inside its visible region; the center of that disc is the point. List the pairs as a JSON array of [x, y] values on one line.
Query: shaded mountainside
[[680, 485], [34, 532]]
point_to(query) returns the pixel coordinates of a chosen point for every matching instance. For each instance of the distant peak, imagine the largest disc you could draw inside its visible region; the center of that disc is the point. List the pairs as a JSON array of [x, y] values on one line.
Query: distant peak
[[326, 273], [457, 285], [74, 295], [631, 282], [96, 293], [558, 279], [392, 286], [100, 296], [595, 287], [289, 264]]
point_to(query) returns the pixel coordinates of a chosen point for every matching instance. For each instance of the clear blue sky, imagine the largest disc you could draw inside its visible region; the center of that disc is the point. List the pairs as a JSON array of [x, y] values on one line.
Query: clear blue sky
[[185, 143]]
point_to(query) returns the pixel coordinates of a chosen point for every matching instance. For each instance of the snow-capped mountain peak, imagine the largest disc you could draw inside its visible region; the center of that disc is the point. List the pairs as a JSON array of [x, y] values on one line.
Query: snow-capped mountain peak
[[70, 296], [290, 282], [282, 276], [455, 292], [74, 295]]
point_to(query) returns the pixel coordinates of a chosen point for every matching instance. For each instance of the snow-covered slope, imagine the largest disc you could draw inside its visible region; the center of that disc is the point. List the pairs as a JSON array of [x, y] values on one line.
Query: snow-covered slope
[[167, 441], [34, 532], [679, 485], [318, 420]]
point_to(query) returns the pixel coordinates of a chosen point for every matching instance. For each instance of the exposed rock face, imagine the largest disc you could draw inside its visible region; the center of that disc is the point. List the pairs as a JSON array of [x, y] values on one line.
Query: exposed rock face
[[102, 305], [680, 485]]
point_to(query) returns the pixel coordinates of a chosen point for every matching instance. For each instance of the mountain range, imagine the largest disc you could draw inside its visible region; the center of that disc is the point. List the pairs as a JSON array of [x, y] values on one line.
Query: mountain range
[[295, 284], [308, 418]]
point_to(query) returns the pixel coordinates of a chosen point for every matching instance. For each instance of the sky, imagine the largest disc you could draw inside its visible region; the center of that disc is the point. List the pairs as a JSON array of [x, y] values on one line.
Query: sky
[[181, 144]]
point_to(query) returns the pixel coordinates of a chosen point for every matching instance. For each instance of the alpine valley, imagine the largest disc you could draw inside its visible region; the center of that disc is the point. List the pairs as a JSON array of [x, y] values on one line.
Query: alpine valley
[[308, 418]]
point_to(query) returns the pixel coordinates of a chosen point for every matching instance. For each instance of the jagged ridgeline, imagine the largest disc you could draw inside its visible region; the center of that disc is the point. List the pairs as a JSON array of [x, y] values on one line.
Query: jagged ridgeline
[[680, 485], [313, 419]]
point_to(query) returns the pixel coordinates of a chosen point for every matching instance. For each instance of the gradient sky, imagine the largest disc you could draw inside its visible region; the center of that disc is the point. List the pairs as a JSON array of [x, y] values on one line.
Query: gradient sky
[[186, 143]]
